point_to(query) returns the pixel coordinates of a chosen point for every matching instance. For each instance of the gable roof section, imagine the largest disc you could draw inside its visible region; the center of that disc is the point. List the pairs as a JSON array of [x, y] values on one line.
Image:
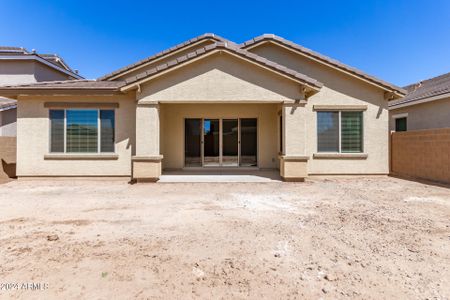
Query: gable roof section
[[424, 91], [51, 60], [186, 44], [309, 82], [399, 92]]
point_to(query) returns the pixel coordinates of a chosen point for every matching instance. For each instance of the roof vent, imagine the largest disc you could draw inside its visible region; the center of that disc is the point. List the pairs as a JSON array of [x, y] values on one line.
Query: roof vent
[[76, 71], [417, 85], [33, 51]]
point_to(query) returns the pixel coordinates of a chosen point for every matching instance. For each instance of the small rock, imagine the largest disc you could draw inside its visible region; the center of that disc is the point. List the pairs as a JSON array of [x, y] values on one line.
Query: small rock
[[198, 273], [330, 277], [53, 237], [324, 290], [277, 255]]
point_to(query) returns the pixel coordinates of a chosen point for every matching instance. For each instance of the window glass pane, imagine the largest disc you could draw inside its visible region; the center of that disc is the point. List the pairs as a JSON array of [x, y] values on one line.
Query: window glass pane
[[230, 145], [351, 131], [400, 124], [249, 143], [211, 142], [192, 142], [328, 131], [56, 130], [107, 130], [82, 131], [281, 134]]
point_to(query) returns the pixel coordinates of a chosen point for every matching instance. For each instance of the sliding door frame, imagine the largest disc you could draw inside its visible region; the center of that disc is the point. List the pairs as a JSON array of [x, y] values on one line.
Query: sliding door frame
[[202, 142]]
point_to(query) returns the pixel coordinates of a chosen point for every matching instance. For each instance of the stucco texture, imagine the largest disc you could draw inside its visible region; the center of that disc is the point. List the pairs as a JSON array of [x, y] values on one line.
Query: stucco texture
[[429, 115], [8, 126], [220, 77], [33, 139]]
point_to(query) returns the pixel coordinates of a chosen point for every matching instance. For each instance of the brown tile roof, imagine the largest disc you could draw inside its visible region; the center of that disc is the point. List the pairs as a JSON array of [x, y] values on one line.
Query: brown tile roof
[[56, 60], [432, 87], [6, 103], [323, 58], [66, 85], [206, 36], [11, 49], [235, 50]]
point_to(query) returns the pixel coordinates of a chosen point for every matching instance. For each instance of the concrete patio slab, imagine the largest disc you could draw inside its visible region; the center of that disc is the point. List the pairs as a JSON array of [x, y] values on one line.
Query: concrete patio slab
[[220, 176]]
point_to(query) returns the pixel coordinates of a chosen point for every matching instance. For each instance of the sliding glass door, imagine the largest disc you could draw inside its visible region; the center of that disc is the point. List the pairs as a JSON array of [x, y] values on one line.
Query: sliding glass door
[[249, 142], [193, 142], [211, 142], [220, 143], [230, 142]]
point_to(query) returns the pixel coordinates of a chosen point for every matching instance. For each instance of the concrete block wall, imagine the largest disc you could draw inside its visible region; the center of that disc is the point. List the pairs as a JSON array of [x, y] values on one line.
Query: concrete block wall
[[421, 154]]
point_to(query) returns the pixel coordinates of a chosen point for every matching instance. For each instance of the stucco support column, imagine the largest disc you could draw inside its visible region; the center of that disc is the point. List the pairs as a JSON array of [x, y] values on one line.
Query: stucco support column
[[293, 161], [146, 164]]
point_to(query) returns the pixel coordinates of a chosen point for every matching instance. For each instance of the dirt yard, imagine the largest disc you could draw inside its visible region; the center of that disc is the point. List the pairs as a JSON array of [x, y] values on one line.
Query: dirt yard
[[363, 238]]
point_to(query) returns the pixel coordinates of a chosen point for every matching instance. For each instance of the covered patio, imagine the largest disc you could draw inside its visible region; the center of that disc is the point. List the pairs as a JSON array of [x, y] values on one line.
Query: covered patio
[[224, 110]]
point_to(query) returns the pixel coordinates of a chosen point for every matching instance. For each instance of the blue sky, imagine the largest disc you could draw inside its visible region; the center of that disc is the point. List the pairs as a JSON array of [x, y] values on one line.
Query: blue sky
[[399, 41]]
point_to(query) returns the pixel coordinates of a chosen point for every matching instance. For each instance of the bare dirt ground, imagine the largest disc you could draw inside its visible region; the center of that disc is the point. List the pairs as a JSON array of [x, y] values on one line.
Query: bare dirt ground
[[363, 238]]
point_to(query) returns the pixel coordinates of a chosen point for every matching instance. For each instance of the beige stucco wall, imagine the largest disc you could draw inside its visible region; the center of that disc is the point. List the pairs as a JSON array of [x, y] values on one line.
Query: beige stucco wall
[[8, 122], [429, 115], [15, 71], [220, 77], [33, 139], [147, 129], [45, 73], [339, 89], [172, 128], [28, 71]]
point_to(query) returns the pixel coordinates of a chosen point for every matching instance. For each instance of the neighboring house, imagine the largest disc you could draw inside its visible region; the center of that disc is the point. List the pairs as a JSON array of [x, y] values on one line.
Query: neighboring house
[[17, 66], [209, 103], [426, 106], [8, 117]]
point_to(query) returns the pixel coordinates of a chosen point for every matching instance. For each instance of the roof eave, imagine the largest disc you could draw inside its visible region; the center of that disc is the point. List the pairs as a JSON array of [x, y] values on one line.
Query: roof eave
[[15, 93], [419, 101]]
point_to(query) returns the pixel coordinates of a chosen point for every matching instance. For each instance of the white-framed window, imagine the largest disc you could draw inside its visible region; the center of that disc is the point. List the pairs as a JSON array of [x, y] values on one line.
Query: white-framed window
[[340, 131], [82, 130]]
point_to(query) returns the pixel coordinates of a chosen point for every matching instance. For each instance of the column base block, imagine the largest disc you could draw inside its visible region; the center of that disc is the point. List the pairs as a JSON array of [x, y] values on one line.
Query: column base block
[[146, 168], [294, 168]]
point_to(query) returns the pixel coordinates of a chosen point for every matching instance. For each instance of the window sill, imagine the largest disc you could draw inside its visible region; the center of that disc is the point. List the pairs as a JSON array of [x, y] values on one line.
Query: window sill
[[92, 156], [340, 155]]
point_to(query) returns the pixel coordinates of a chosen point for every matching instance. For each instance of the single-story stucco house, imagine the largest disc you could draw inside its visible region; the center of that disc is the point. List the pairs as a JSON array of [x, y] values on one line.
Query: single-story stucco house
[[426, 106], [20, 66], [267, 103]]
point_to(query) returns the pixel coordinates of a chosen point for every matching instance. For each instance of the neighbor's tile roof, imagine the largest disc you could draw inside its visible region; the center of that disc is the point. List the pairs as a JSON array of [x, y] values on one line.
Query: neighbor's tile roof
[[67, 84], [206, 36], [235, 50], [425, 89], [13, 49], [6, 103], [52, 58], [323, 58]]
